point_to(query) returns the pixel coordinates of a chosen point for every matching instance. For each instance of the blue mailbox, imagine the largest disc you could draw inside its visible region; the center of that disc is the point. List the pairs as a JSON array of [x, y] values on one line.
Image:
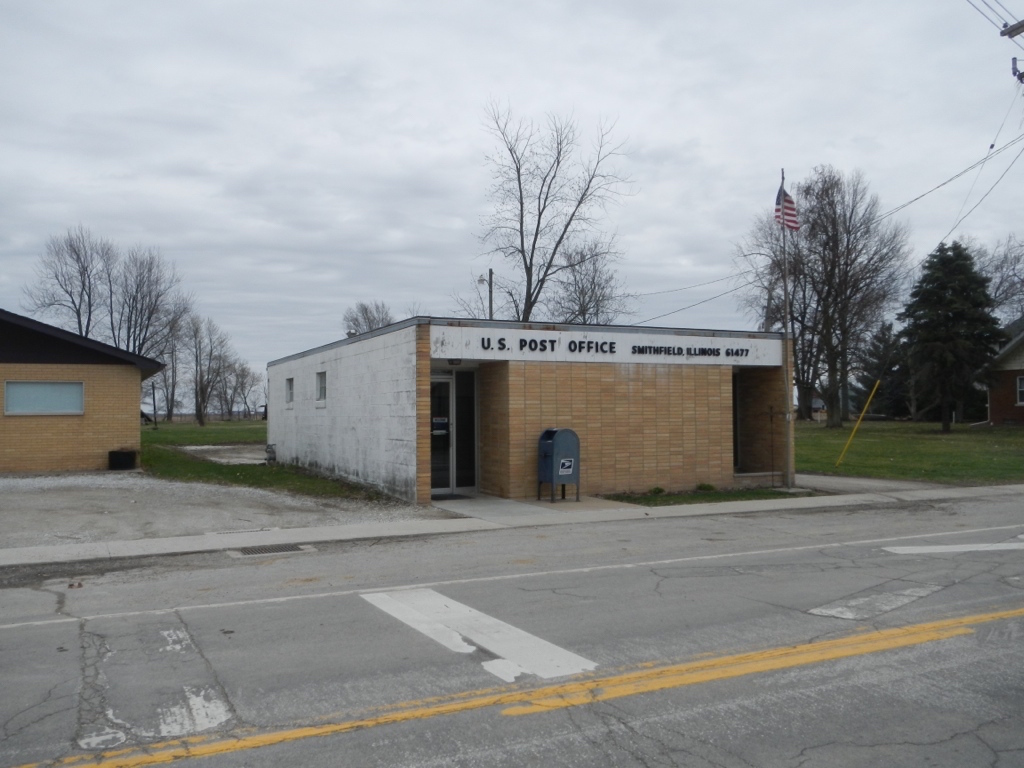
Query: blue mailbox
[[558, 460]]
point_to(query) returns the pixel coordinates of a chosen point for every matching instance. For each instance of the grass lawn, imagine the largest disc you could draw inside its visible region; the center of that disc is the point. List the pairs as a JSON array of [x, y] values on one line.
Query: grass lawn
[[161, 458], [898, 450], [214, 433], [914, 451]]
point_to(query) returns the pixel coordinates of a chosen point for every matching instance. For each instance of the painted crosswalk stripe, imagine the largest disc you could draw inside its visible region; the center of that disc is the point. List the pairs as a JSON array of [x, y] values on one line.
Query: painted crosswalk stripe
[[939, 549], [448, 622], [869, 606]]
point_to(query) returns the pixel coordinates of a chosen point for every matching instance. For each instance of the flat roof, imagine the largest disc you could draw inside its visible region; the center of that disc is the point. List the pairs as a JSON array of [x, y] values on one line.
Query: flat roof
[[456, 322]]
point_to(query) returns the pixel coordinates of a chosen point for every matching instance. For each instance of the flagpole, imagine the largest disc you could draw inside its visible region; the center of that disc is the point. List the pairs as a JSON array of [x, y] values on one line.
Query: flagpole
[[786, 381]]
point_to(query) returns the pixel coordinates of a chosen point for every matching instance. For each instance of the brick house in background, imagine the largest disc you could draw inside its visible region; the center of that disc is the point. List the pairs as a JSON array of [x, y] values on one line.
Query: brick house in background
[[65, 401], [1006, 390]]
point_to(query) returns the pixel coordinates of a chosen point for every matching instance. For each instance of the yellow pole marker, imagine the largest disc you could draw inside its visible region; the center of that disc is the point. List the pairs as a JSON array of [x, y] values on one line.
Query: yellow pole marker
[[859, 420], [644, 678]]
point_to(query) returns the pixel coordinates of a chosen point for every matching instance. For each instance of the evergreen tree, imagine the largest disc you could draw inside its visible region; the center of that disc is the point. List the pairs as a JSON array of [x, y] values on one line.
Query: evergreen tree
[[951, 332], [883, 360]]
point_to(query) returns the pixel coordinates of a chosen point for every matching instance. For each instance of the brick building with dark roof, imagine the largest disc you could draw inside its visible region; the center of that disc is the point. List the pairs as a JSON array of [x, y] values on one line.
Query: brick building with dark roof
[[66, 401]]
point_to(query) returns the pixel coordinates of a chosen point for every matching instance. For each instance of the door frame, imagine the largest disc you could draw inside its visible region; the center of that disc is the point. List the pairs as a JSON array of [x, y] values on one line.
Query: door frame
[[449, 377]]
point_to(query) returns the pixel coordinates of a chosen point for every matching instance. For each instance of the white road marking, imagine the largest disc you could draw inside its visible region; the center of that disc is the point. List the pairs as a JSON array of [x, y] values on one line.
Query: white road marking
[[446, 636], [202, 709], [939, 549], [104, 738], [177, 640], [519, 651], [869, 606], [501, 577], [503, 668]]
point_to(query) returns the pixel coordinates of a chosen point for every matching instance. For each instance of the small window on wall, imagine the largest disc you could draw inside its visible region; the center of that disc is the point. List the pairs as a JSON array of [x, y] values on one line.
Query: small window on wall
[[1020, 390], [289, 390], [44, 398], [321, 385]]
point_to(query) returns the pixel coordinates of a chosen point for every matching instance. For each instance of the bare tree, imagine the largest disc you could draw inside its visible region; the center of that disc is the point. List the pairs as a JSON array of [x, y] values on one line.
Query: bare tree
[[587, 290], [144, 303], [236, 388], [131, 301], [847, 269], [69, 285], [365, 317], [761, 260], [1004, 267], [209, 352], [250, 389], [547, 196], [169, 377]]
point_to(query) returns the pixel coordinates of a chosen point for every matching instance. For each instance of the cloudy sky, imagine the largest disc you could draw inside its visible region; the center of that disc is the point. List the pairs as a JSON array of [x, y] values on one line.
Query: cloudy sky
[[294, 158]]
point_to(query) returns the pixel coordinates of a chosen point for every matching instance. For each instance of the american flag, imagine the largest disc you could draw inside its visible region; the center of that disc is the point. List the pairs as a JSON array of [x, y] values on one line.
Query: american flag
[[785, 210]]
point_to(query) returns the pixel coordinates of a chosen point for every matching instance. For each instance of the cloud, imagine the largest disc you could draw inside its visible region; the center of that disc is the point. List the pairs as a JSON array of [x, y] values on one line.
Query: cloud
[[293, 160]]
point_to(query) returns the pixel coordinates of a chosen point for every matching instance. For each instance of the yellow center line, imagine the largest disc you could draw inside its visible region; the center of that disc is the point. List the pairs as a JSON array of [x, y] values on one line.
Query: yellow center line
[[645, 678]]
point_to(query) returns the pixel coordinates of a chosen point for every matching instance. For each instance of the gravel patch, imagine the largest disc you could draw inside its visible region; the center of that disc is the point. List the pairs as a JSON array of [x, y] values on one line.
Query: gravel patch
[[120, 506]]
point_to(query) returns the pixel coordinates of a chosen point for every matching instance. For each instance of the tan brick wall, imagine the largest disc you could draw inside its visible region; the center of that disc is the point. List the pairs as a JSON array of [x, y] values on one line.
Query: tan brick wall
[[493, 402], [640, 425], [760, 413], [423, 414], [72, 443]]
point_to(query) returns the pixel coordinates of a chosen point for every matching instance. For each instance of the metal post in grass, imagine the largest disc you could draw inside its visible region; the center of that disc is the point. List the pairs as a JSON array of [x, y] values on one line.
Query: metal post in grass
[[786, 216], [855, 426]]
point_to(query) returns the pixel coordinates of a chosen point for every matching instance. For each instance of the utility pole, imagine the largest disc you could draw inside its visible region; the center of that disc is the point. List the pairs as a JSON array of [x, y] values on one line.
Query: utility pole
[[490, 292], [1010, 31]]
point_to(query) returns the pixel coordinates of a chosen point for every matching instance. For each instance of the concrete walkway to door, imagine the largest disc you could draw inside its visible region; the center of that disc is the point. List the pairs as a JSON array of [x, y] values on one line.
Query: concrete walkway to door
[[842, 491]]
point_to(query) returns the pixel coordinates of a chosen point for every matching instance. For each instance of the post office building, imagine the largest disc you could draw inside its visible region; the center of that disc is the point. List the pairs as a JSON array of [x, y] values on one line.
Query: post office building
[[434, 407]]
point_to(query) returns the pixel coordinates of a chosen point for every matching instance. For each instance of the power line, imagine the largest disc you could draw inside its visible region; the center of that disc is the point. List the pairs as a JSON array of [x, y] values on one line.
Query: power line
[[984, 15], [995, 12], [697, 304], [986, 194], [886, 215], [978, 164], [993, 22], [1016, 92], [698, 285], [1008, 11], [968, 169]]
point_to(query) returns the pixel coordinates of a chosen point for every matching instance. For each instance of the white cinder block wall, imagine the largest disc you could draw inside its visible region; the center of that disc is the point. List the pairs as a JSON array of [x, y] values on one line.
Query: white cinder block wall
[[365, 430]]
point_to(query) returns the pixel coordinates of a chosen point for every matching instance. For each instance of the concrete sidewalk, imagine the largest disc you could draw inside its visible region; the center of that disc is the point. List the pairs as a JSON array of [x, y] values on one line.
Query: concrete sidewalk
[[484, 513]]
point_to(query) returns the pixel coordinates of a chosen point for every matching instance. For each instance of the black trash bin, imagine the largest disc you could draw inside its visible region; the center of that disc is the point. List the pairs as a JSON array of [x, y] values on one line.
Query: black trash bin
[[123, 459], [558, 460]]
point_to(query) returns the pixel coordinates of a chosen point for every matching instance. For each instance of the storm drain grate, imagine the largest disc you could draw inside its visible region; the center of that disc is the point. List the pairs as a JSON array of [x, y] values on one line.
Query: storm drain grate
[[270, 549], [244, 530]]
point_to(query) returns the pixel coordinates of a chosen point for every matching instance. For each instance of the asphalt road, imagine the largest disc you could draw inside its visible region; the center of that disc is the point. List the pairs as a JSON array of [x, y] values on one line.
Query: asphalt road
[[841, 638]]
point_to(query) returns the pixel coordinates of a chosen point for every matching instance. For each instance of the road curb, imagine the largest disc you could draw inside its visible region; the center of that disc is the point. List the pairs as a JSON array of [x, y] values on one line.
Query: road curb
[[531, 516]]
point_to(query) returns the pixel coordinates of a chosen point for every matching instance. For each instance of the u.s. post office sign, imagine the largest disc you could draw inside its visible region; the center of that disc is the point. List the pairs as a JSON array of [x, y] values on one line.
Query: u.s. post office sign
[[599, 346]]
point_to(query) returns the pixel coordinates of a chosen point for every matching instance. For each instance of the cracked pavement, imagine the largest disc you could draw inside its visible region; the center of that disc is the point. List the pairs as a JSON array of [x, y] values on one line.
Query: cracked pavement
[[209, 649]]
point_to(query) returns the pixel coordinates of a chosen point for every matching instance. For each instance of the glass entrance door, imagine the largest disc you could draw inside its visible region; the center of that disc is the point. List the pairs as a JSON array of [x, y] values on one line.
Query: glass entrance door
[[453, 434], [441, 436]]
